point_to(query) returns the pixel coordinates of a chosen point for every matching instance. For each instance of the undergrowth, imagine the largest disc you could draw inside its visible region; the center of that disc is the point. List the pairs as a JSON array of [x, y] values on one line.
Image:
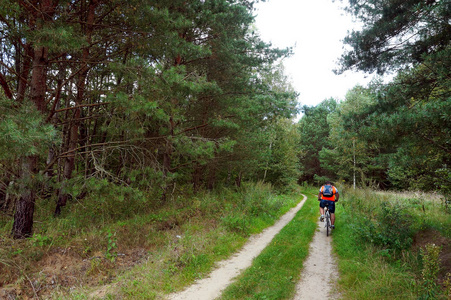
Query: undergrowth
[[136, 245], [392, 246]]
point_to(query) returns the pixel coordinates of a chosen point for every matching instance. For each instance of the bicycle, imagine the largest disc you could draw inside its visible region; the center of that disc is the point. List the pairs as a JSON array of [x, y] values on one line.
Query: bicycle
[[327, 219]]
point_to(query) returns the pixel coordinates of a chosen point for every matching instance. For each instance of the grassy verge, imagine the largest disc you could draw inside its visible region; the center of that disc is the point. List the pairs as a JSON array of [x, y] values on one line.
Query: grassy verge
[[130, 248], [364, 273], [170, 270], [275, 272], [392, 246]]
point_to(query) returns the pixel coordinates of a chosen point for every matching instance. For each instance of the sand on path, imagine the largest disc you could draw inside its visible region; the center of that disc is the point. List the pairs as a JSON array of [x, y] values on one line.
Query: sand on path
[[319, 274]]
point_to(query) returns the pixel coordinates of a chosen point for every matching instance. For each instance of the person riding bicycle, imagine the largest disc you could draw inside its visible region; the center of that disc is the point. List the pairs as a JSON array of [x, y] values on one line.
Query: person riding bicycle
[[328, 195]]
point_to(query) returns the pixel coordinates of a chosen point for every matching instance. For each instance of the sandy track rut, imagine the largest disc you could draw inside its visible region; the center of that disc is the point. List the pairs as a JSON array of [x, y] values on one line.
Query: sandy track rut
[[320, 273]]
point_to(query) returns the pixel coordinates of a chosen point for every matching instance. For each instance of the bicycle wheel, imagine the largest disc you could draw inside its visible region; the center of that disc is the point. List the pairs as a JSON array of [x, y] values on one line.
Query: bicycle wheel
[[327, 223]]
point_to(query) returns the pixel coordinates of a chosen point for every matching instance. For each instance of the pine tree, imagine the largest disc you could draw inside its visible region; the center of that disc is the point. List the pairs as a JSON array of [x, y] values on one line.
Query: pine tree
[[410, 116], [127, 89]]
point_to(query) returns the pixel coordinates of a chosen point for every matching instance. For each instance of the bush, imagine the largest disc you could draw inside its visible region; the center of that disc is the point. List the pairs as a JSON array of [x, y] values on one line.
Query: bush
[[381, 225], [391, 228], [105, 203], [431, 267]]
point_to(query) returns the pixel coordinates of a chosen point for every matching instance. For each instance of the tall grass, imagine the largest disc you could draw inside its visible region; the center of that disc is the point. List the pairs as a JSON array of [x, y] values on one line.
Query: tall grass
[[375, 244], [177, 240]]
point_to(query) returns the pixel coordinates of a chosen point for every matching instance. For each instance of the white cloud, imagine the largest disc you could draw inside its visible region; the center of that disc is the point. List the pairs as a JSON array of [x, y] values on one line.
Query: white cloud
[[316, 29]]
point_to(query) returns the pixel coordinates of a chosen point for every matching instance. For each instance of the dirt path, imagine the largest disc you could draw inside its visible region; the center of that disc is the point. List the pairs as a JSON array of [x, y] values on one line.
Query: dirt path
[[320, 272], [211, 287]]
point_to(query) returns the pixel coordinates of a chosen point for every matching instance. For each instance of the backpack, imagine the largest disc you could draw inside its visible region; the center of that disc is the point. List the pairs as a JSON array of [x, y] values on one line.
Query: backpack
[[328, 191]]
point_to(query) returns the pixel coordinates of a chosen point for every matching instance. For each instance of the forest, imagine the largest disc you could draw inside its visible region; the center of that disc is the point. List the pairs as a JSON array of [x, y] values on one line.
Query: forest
[[136, 95], [125, 105]]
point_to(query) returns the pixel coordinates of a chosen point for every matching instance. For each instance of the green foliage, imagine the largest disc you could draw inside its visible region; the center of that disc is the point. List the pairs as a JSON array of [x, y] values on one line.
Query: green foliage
[[41, 240], [258, 200], [106, 202], [444, 184], [314, 137], [387, 41], [59, 37], [364, 270], [235, 223], [393, 135], [253, 209], [377, 259], [404, 128], [431, 267], [447, 284], [167, 91], [110, 254], [184, 236], [190, 255], [352, 154], [145, 179], [23, 131], [284, 165], [391, 228]]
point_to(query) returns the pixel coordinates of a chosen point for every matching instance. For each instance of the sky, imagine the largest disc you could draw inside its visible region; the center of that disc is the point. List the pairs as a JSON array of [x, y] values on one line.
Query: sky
[[315, 29]]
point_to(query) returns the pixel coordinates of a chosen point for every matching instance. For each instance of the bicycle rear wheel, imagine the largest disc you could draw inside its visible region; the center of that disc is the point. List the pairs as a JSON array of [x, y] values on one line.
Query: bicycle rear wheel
[[327, 223]]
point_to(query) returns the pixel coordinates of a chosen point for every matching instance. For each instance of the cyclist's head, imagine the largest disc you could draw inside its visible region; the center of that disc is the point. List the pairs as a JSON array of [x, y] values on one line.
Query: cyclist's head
[[328, 182]]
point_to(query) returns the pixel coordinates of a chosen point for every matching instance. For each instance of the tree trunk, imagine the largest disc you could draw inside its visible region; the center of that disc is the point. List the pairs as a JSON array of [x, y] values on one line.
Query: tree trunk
[[238, 179], [167, 157], [24, 71], [212, 176], [23, 217], [69, 164], [197, 177]]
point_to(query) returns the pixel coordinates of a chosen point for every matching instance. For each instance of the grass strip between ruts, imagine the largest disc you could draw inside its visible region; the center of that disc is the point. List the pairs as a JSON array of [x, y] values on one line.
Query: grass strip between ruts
[[276, 271]]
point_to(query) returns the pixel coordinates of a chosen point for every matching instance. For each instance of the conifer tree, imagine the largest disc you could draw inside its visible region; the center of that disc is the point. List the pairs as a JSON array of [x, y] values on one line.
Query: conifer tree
[[411, 114], [129, 90]]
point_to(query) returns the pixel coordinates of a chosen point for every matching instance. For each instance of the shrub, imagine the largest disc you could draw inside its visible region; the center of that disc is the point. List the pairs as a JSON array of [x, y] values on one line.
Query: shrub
[[391, 227], [431, 267], [395, 227]]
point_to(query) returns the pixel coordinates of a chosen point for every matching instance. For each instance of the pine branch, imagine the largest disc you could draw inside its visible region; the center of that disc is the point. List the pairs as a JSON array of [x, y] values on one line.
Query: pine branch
[[5, 87]]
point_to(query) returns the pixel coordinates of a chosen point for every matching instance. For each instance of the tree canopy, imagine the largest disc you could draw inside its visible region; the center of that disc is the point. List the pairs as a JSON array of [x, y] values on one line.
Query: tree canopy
[[396, 33], [396, 134], [143, 95]]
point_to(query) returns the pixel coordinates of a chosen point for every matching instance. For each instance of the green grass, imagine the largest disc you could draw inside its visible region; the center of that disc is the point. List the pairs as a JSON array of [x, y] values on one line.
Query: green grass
[[364, 273], [181, 239], [375, 244], [171, 271], [275, 272]]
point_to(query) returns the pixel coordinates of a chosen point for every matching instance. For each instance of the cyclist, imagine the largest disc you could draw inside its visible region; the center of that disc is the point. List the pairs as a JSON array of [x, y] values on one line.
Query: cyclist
[[328, 195]]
